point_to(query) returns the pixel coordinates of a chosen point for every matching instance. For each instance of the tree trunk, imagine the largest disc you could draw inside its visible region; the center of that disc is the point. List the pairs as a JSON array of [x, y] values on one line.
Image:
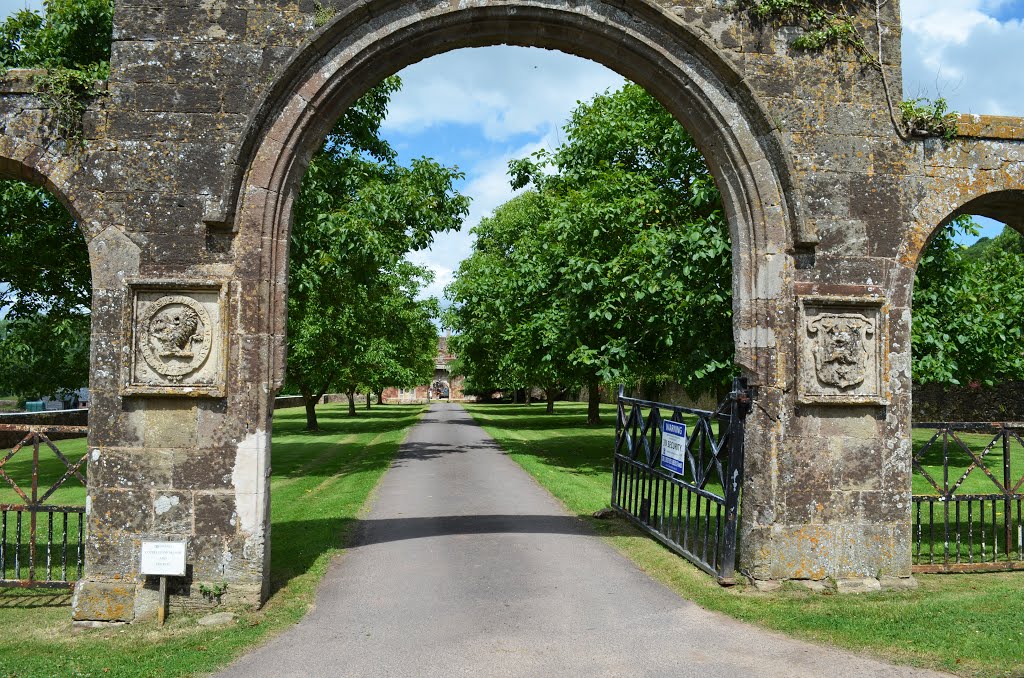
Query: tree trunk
[[310, 401], [380, 397], [351, 395], [593, 403], [526, 394], [550, 395], [367, 398], [311, 423]]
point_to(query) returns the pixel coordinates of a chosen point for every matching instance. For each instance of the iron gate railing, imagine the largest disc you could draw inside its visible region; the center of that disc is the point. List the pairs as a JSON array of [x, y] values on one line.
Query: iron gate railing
[[23, 534], [967, 497], [693, 512]]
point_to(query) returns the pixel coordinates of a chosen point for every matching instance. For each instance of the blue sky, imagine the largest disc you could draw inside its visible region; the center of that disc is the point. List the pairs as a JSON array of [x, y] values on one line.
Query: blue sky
[[478, 108]]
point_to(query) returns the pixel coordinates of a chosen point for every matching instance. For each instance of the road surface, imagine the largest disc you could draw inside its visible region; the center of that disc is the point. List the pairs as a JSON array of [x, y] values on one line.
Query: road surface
[[465, 566]]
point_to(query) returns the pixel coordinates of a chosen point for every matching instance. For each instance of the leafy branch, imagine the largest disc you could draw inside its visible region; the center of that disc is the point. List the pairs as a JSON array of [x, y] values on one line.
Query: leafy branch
[[71, 40], [322, 14], [823, 26], [66, 92], [925, 118]]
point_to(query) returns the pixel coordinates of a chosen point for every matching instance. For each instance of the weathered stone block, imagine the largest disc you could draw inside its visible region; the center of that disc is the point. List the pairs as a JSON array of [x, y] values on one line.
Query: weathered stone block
[[857, 585], [109, 601], [170, 423], [215, 514]]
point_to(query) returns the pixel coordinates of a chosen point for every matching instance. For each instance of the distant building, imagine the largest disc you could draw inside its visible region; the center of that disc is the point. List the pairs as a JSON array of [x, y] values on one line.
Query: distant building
[[445, 386]]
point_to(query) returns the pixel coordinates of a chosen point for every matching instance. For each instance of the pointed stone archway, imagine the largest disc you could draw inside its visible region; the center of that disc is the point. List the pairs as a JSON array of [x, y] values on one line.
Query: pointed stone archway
[[192, 160]]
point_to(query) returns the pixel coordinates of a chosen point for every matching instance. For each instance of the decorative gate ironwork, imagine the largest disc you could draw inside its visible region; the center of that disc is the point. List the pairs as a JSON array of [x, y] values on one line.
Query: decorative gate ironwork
[[695, 512], [62, 527], [967, 497]]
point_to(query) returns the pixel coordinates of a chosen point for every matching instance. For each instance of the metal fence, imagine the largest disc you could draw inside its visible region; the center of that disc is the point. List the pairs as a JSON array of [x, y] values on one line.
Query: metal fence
[[694, 509], [967, 497], [41, 545]]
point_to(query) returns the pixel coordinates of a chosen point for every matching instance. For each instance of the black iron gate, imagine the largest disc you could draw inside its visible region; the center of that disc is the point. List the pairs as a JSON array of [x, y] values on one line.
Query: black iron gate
[[694, 510], [41, 545], [967, 497]]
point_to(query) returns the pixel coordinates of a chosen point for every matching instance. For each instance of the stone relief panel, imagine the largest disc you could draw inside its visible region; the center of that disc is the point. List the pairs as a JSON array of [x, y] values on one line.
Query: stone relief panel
[[177, 342], [839, 357]]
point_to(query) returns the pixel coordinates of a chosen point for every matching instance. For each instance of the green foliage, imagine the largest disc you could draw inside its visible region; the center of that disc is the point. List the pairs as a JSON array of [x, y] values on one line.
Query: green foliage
[[45, 290], [71, 40], [322, 14], [615, 267], [968, 310], [213, 592], [925, 118], [825, 23], [353, 315], [44, 355]]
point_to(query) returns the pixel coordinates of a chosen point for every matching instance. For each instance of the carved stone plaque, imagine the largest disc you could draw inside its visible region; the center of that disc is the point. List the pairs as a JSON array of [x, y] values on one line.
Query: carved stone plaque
[[839, 343], [177, 339]]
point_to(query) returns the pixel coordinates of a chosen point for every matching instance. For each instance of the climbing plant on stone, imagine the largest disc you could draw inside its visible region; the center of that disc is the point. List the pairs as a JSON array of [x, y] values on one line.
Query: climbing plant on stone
[[833, 24], [71, 40]]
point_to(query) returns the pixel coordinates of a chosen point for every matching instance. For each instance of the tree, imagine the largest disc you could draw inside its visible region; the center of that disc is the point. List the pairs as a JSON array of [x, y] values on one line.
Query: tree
[[631, 256], [508, 333], [45, 284], [45, 289], [70, 34], [358, 213], [968, 308]]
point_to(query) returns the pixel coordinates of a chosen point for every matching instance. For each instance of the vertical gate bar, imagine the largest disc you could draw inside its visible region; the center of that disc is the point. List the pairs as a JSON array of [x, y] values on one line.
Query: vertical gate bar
[[970, 531], [717, 551], [995, 533], [49, 544], [958, 532], [734, 479], [707, 529], [1020, 537], [33, 510], [945, 532], [634, 482], [664, 494], [670, 532], [17, 549], [686, 530], [1007, 501], [3, 545], [81, 544], [981, 530], [64, 550], [917, 505], [618, 438], [931, 530], [945, 461]]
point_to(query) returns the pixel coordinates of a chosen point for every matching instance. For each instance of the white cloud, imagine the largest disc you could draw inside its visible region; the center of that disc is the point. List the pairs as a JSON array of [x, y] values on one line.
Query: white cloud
[[488, 186], [955, 49], [504, 90]]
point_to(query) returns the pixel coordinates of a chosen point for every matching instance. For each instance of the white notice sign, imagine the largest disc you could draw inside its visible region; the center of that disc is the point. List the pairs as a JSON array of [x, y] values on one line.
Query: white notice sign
[[163, 558], [673, 445]]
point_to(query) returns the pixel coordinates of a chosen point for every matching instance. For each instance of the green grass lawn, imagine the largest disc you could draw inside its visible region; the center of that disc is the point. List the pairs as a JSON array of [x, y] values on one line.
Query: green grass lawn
[[320, 483], [967, 624]]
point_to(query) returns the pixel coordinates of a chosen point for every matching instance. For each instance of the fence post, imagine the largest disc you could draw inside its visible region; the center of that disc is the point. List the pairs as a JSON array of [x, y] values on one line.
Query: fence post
[[619, 424], [1007, 501], [738, 408]]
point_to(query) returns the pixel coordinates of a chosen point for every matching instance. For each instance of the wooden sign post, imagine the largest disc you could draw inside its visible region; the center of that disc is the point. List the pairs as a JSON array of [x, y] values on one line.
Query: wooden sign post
[[163, 559]]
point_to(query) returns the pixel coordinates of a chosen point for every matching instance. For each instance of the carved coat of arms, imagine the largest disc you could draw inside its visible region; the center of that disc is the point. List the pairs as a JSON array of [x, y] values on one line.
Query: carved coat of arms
[[840, 351], [175, 336]]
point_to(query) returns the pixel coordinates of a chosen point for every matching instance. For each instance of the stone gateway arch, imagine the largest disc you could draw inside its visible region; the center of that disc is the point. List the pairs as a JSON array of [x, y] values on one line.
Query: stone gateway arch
[[194, 155]]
